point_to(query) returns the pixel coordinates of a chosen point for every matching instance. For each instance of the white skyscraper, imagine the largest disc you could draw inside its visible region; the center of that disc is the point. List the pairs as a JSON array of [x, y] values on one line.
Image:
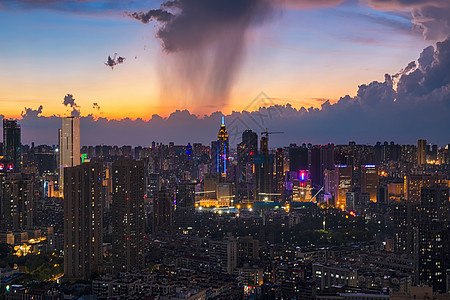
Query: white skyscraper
[[69, 147]]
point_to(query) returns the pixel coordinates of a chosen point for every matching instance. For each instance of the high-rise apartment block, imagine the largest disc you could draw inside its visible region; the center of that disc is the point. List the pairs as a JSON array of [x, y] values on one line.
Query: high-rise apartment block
[[83, 217], [12, 144], [128, 215]]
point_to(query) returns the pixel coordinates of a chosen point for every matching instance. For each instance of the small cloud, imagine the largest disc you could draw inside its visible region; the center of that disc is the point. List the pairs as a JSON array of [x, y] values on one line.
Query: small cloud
[[114, 61], [69, 100], [31, 113]]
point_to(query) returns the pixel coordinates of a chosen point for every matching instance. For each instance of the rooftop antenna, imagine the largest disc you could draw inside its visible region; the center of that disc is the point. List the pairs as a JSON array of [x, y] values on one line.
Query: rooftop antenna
[[223, 120]]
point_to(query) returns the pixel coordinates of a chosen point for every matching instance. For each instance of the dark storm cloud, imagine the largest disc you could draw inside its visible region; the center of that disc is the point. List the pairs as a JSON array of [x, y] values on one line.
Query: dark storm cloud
[[206, 40]]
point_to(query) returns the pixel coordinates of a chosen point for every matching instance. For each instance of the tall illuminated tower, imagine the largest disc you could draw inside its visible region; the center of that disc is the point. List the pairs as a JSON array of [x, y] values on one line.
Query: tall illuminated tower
[[69, 146], [223, 150]]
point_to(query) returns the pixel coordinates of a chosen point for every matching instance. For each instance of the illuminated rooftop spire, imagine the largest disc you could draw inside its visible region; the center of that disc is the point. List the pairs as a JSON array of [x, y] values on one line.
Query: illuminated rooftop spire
[[223, 121]]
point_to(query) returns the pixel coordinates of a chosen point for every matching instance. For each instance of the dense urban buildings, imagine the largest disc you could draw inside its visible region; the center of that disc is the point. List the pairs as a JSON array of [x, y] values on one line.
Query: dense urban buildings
[[221, 221]]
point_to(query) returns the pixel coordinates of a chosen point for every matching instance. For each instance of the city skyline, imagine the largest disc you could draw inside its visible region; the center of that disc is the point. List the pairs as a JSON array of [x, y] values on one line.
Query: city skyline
[[225, 149]]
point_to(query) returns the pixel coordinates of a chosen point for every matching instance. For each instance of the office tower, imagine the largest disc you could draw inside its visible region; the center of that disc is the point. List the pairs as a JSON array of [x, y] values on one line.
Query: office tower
[[128, 215], [246, 149], [263, 165], [162, 211], [214, 157], [369, 181], [69, 146], [184, 204], [314, 165], [421, 152], [223, 150], [344, 184], [326, 160], [298, 158], [223, 255], [17, 198], [83, 216], [279, 173], [12, 144], [434, 233], [330, 182]]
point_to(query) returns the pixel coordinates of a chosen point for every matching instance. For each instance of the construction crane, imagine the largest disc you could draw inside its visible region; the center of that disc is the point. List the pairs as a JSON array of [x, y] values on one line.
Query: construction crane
[[266, 133]]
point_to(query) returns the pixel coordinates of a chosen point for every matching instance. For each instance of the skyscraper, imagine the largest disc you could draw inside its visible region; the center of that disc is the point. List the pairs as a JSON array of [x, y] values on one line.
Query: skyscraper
[[12, 143], [245, 152], [83, 216], [162, 211], [69, 146], [128, 215], [246, 149], [279, 172], [369, 181], [185, 204], [263, 164], [298, 158], [326, 160], [314, 165], [421, 152], [213, 157], [343, 184], [434, 234], [223, 150]]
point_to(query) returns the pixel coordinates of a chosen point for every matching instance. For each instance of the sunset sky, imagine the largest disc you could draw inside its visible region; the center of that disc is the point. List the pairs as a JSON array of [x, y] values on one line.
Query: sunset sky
[[322, 70], [303, 57]]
